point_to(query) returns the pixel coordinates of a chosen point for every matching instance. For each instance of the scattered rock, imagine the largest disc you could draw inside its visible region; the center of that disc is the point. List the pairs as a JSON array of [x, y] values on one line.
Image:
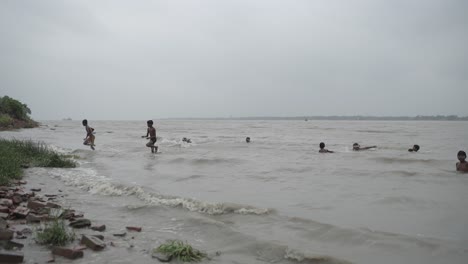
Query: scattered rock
[[52, 259], [120, 234], [35, 205], [161, 257], [11, 257], [53, 205], [4, 209], [6, 202], [134, 228], [100, 228], [93, 242], [3, 224], [3, 216], [10, 244], [33, 218], [80, 223], [67, 214], [99, 236], [21, 212], [17, 199], [78, 215], [81, 248], [67, 252], [6, 234], [35, 189]]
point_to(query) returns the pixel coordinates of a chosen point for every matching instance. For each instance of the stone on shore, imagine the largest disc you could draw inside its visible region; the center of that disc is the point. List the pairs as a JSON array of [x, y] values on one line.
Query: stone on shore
[[99, 236], [21, 212], [161, 256], [6, 234], [4, 209], [3, 216], [3, 224], [17, 199], [80, 223], [10, 244], [93, 242], [67, 252], [53, 205], [11, 257], [100, 228], [120, 234], [35, 205], [34, 218], [134, 228], [6, 202]]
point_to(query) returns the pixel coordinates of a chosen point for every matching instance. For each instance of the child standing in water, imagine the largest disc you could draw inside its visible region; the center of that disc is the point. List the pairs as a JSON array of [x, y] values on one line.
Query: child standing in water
[[462, 165], [89, 139], [151, 132]]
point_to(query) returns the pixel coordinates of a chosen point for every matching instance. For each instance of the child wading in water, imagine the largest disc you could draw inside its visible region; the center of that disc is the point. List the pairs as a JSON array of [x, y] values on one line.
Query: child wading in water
[[89, 139], [151, 132]]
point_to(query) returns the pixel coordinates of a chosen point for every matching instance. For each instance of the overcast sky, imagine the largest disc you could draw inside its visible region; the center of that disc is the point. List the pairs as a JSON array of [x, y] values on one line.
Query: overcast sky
[[157, 59]]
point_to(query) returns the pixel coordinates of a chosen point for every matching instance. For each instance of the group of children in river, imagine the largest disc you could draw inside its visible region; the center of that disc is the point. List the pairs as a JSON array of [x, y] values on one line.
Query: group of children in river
[[462, 165]]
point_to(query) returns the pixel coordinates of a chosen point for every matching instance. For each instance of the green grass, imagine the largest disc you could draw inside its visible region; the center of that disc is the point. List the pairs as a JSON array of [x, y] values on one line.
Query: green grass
[[15, 154], [180, 250], [55, 233], [5, 120]]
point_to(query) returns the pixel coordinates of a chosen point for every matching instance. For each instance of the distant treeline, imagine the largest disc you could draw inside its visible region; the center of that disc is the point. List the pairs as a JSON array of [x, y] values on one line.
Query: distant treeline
[[370, 118], [14, 114]]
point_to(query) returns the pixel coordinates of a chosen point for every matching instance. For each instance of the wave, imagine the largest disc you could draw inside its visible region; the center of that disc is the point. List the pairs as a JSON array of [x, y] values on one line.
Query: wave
[[191, 177], [390, 160], [312, 258], [87, 179], [206, 161], [403, 200], [377, 131], [403, 173]]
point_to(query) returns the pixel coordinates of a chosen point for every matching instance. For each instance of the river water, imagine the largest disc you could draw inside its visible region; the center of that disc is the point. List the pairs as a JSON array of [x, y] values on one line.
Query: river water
[[275, 200]]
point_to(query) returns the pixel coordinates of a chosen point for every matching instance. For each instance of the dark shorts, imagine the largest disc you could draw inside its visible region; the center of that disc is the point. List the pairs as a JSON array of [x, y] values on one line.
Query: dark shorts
[[151, 142]]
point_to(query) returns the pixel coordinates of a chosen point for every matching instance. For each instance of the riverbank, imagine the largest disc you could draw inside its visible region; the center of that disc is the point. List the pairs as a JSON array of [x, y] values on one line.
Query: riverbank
[[15, 155], [8, 123]]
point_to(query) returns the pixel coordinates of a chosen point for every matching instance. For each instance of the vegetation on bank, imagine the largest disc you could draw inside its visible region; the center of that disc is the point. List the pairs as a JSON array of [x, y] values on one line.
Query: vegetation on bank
[[14, 114], [18, 154], [184, 252], [55, 233]]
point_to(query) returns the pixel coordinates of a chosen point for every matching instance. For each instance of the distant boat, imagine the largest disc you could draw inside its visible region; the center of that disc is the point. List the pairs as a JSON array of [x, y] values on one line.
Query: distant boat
[[67, 119]]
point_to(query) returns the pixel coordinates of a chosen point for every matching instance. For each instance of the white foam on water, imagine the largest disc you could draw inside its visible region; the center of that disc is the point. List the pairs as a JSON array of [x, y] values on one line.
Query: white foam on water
[[304, 258], [88, 180]]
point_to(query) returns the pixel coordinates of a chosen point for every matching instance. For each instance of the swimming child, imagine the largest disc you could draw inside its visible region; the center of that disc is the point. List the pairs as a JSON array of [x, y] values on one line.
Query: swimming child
[[357, 147], [462, 165], [323, 149], [414, 149]]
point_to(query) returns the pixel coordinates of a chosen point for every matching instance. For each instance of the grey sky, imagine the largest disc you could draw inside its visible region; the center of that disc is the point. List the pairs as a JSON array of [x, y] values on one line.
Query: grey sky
[[154, 59]]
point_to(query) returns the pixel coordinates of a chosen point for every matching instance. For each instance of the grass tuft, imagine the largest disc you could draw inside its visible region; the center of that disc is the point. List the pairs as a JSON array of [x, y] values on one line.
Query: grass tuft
[[182, 251], [15, 154], [55, 233]]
